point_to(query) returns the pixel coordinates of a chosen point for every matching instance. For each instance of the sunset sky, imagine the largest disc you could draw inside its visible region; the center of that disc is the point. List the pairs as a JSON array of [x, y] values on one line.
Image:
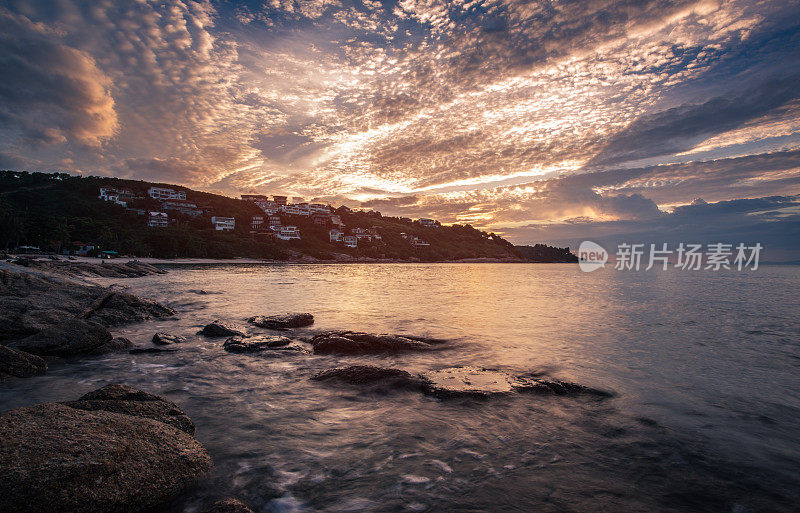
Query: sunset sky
[[543, 121]]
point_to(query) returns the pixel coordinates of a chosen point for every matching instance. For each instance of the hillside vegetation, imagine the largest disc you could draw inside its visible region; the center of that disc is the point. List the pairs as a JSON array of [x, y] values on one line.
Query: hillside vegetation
[[54, 211]]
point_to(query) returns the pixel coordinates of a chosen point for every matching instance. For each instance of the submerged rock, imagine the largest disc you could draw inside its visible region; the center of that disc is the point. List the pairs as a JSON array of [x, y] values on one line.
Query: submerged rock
[[115, 344], [163, 339], [221, 328], [132, 401], [73, 337], [262, 343], [367, 375], [228, 506], [59, 459], [284, 321], [350, 342], [20, 364]]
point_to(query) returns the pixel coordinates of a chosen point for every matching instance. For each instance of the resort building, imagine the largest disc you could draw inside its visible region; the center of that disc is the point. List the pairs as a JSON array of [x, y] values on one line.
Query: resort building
[[161, 193], [184, 207], [119, 196], [226, 224], [254, 197], [429, 223], [288, 233], [350, 241], [274, 221], [320, 220], [337, 221], [157, 220], [280, 200], [361, 233], [319, 208], [335, 235], [256, 223]]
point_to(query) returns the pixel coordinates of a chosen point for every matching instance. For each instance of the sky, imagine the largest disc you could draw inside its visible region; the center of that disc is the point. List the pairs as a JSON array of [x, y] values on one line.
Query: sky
[[545, 121]]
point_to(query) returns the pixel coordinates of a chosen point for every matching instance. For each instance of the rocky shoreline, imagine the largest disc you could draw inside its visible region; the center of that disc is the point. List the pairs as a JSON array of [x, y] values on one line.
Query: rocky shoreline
[[122, 449]]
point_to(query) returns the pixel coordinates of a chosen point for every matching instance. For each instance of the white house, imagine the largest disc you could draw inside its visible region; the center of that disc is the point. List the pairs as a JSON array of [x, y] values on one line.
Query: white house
[[319, 208], [335, 235], [350, 241], [290, 209], [118, 196], [361, 233], [157, 220], [256, 222], [162, 193], [288, 233], [226, 224]]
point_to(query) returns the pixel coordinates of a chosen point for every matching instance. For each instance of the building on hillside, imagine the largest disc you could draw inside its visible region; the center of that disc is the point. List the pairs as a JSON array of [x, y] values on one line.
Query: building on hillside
[[157, 220], [429, 223], [119, 196], [163, 193], [274, 221], [256, 223], [319, 208], [336, 221], [288, 233], [361, 233], [290, 209], [350, 241], [374, 232], [225, 224], [280, 200], [335, 235], [415, 241], [405, 219], [267, 206], [137, 211], [254, 197], [184, 207], [320, 220]]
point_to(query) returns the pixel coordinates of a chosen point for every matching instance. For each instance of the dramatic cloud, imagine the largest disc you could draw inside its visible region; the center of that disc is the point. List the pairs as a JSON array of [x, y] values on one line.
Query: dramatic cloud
[[500, 113]]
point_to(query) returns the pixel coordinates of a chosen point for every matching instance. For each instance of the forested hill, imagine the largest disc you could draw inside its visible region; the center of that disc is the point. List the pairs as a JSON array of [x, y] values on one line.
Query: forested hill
[[56, 212]]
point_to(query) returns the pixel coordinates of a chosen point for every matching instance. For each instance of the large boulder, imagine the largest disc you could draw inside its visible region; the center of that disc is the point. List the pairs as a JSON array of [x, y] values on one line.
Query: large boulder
[[228, 506], [262, 343], [70, 338], [58, 459], [20, 364], [350, 342], [283, 321], [221, 328], [132, 401], [163, 339]]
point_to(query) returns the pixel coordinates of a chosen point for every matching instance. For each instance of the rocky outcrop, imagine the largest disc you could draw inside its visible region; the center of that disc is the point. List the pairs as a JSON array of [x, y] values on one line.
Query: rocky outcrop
[[221, 328], [453, 381], [284, 321], [228, 506], [150, 350], [132, 401], [115, 344], [130, 269], [164, 339], [60, 459], [262, 343], [20, 364], [368, 375], [31, 302], [71, 338], [350, 342]]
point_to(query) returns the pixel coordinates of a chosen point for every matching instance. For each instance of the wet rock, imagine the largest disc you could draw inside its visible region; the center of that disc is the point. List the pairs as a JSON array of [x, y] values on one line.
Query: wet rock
[[127, 400], [262, 343], [284, 321], [163, 339], [228, 506], [150, 350], [368, 375], [58, 459], [71, 338], [220, 328], [121, 308], [467, 381], [544, 386], [20, 364], [350, 342], [115, 344]]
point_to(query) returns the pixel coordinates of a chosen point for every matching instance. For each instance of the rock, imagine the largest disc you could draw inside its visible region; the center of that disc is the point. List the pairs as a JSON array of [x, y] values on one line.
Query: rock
[[20, 364], [278, 322], [220, 328], [479, 382], [467, 381], [349, 342], [132, 401], [150, 350], [121, 308], [58, 459], [115, 344], [228, 506], [368, 375], [163, 339], [73, 337], [262, 343]]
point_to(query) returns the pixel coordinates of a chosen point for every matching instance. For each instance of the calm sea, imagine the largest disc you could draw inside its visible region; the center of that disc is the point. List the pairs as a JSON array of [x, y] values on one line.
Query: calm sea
[[705, 367]]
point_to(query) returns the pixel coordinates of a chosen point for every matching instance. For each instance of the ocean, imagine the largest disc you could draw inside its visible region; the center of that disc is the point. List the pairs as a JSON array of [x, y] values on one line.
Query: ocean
[[704, 367]]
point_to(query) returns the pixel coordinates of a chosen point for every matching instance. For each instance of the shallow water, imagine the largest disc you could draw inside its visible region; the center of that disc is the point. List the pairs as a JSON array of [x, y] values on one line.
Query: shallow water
[[705, 367]]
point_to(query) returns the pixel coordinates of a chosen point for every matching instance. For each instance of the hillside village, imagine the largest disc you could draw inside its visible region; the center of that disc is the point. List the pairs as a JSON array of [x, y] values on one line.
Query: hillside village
[[273, 224]]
